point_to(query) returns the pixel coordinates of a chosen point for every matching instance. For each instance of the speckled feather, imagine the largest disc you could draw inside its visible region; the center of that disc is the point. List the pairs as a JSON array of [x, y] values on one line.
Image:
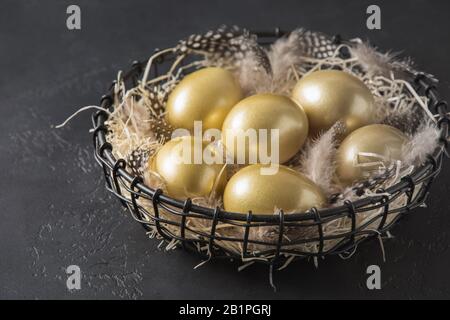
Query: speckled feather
[[155, 101], [317, 45], [225, 45], [137, 160]]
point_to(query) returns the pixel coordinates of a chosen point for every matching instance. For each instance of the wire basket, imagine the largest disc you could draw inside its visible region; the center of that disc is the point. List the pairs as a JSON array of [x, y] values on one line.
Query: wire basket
[[168, 217]]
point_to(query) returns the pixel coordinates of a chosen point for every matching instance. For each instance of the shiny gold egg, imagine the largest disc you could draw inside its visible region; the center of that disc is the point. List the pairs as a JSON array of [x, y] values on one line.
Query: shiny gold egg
[[328, 96], [183, 175], [205, 95], [287, 189], [265, 111], [366, 150]]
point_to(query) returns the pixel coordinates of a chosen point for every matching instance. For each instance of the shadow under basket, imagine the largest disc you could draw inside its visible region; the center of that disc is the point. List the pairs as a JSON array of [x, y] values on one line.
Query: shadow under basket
[[286, 237]]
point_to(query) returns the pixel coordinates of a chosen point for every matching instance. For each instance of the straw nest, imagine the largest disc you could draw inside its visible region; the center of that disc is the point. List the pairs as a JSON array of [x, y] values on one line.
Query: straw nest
[[137, 126]]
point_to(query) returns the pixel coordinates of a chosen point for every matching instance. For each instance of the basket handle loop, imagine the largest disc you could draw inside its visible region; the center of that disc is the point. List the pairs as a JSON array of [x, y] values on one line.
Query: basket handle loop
[[212, 236], [134, 196], [318, 221], [120, 164], [155, 200], [410, 189], [385, 201], [280, 236], [352, 214], [186, 209], [247, 233]]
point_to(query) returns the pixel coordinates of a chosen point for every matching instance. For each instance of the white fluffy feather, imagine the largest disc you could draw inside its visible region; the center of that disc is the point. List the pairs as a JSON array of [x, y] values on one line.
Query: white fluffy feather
[[422, 143], [318, 159], [376, 63], [373, 62], [252, 77], [283, 55]]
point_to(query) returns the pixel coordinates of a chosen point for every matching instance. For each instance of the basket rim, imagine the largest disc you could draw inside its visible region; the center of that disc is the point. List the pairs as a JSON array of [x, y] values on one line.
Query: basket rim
[[432, 166]]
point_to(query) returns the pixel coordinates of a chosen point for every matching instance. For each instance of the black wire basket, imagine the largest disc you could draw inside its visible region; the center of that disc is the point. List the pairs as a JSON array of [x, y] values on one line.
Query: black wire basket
[[168, 216]]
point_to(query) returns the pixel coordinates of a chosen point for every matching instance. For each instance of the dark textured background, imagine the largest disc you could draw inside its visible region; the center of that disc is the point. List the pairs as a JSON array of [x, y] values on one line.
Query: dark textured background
[[56, 212]]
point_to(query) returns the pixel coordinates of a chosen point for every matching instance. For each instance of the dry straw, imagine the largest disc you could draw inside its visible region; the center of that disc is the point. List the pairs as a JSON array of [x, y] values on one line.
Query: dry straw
[[137, 123]]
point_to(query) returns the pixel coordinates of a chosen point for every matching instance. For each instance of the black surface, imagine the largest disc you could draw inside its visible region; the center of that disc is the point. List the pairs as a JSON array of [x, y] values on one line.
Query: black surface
[[55, 211]]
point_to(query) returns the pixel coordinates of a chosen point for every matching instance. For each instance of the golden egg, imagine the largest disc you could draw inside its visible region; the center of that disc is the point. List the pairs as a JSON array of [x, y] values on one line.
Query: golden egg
[[287, 189], [265, 111], [205, 95], [184, 175], [365, 151], [328, 96]]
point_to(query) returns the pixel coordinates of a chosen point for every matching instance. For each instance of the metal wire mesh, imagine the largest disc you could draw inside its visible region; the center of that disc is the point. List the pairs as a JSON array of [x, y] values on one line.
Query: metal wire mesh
[[169, 216]]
